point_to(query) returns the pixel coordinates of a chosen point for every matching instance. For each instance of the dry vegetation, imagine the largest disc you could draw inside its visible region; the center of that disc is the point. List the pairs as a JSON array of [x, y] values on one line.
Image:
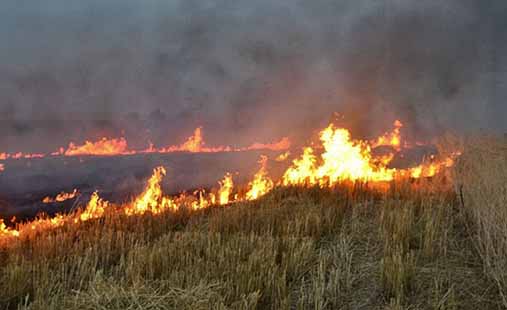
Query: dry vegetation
[[430, 244]]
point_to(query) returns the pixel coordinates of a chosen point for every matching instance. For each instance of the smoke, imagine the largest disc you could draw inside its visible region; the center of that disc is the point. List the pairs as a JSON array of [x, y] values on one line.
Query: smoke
[[246, 70]]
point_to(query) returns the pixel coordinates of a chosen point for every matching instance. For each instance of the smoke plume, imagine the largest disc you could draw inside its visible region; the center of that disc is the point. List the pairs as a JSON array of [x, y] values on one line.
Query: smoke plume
[[246, 70]]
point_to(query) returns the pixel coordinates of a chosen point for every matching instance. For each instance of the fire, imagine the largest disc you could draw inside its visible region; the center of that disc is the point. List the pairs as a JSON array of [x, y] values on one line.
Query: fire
[[390, 138], [152, 198], [200, 200], [303, 170], [432, 168], [95, 208], [338, 157], [119, 146], [261, 184], [283, 156], [225, 191], [342, 159], [194, 144], [2, 167], [102, 147], [19, 155], [6, 231], [281, 145], [63, 196]]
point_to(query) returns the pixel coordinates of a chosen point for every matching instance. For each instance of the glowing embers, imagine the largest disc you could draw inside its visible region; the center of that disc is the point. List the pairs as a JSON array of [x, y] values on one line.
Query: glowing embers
[[61, 197]]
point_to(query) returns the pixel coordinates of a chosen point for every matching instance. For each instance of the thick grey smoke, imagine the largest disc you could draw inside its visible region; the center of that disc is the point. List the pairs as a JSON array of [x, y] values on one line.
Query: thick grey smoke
[[246, 70]]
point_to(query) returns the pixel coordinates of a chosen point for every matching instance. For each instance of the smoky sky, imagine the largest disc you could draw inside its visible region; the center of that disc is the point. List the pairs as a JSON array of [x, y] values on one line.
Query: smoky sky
[[246, 70]]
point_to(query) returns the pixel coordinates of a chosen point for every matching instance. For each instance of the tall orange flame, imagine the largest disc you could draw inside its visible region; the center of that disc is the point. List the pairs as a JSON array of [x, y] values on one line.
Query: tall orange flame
[[261, 183], [95, 208], [225, 191], [151, 199]]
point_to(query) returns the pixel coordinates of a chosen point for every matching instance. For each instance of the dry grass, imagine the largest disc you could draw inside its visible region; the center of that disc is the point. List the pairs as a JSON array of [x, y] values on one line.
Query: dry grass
[[351, 247], [482, 185]]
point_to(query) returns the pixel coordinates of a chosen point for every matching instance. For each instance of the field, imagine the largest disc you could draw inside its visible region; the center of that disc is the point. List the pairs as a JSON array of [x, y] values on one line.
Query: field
[[433, 243]]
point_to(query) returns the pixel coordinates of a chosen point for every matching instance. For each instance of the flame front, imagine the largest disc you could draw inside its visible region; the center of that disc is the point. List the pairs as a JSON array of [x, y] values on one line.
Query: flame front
[[119, 146], [102, 147], [337, 158]]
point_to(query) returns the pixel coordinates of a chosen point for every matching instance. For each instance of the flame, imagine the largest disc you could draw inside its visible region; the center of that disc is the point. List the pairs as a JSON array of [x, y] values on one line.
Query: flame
[[337, 158], [281, 145], [201, 202], [432, 168], [102, 147], [392, 139], [19, 155], [303, 170], [2, 167], [194, 144], [63, 196], [342, 159], [151, 199], [95, 208], [225, 191], [119, 146], [261, 183], [6, 231], [283, 156], [346, 159]]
